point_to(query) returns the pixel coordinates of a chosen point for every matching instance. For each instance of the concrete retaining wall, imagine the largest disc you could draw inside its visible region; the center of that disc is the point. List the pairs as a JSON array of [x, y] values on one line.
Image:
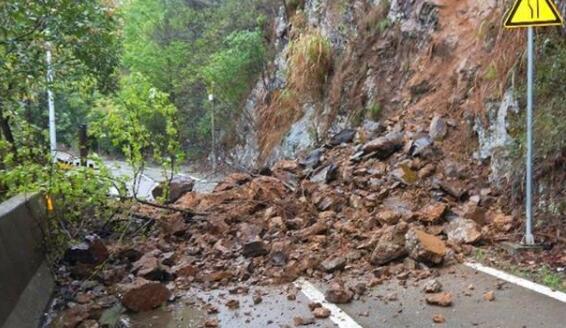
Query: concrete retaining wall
[[25, 282]]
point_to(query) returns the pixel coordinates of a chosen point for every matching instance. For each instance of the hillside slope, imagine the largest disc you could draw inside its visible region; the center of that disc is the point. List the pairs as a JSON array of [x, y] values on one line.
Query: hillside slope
[[397, 62]]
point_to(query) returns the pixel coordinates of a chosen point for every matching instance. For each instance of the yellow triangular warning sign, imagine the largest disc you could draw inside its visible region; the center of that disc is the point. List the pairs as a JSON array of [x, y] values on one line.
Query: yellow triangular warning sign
[[533, 13]]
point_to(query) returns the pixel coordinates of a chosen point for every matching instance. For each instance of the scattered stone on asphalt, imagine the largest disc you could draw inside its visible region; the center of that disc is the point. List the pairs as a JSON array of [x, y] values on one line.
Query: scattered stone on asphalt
[[440, 299], [211, 323], [438, 318], [321, 313], [303, 321], [389, 203], [338, 294], [233, 304], [257, 298], [489, 296], [432, 286]]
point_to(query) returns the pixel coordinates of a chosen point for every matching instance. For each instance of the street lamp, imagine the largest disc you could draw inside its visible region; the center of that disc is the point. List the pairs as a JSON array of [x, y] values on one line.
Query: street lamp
[[211, 99]]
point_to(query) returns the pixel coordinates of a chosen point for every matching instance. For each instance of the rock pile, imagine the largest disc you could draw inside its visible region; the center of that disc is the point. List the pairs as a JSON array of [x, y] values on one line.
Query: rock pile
[[350, 207]]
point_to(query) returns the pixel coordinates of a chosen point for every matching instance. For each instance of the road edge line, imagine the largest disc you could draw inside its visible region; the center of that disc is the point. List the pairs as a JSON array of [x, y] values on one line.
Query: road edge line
[[337, 315], [546, 291]]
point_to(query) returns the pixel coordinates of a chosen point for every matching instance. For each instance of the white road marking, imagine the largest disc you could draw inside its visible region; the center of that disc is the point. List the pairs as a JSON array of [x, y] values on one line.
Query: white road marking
[[519, 281], [339, 317]]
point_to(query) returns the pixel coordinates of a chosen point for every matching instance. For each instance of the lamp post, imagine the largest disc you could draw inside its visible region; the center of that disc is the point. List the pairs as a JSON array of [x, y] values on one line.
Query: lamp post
[[51, 105], [211, 99]]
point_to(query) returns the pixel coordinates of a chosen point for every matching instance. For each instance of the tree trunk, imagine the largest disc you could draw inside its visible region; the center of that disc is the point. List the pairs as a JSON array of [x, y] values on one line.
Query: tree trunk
[[7, 131]]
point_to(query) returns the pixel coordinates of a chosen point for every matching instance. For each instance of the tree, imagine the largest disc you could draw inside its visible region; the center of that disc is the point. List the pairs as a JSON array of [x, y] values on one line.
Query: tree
[[83, 37]]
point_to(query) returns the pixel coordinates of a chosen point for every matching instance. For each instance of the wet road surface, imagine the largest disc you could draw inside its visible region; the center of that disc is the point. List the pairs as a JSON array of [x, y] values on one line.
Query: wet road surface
[[514, 306]]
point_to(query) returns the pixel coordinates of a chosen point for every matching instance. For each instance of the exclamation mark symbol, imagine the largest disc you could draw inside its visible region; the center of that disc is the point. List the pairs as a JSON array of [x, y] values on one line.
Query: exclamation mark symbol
[[538, 9]]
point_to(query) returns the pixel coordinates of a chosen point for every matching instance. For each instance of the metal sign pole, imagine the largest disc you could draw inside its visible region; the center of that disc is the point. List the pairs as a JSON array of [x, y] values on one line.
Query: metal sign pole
[[529, 238]]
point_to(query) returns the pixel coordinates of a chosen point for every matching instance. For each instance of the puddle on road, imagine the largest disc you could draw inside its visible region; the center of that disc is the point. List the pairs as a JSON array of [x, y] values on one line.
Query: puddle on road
[[175, 316]]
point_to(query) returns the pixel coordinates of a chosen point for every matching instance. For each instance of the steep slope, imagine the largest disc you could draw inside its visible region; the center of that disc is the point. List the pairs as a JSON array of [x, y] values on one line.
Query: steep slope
[[406, 60]]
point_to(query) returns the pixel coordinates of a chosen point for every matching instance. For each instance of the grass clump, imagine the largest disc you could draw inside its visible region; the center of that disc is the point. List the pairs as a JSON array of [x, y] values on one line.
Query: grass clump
[[310, 61], [374, 112]]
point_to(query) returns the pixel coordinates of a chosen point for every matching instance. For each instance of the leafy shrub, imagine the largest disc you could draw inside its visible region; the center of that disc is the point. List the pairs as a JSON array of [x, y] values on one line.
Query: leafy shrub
[[80, 195], [310, 61], [142, 122]]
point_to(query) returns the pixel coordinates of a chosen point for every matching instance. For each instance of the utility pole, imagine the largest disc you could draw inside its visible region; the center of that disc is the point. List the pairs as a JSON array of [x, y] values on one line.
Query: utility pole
[[51, 105], [211, 99]]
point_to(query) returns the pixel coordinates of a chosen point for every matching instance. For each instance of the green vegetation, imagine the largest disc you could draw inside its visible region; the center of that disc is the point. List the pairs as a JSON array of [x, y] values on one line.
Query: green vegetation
[[135, 72], [374, 111], [188, 49], [550, 112]]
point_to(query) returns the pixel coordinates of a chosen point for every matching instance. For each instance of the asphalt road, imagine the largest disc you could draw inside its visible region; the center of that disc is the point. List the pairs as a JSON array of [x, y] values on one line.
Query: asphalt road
[[153, 175], [514, 306]]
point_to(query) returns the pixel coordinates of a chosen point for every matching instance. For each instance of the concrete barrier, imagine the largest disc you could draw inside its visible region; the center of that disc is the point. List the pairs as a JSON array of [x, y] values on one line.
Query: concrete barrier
[[26, 284]]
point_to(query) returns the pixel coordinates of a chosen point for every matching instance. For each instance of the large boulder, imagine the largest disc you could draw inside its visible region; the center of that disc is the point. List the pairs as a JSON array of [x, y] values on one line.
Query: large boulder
[[462, 230], [178, 186], [391, 244], [142, 295], [424, 247], [383, 147]]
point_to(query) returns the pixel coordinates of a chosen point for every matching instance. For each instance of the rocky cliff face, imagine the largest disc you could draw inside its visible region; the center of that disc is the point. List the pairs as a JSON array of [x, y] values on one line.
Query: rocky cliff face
[[393, 63]]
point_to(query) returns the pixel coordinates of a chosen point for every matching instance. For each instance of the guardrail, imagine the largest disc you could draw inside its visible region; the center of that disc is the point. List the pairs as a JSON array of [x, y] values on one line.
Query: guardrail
[[26, 284]]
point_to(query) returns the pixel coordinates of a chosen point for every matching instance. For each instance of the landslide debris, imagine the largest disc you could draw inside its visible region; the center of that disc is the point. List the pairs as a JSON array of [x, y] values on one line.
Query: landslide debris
[[343, 210]]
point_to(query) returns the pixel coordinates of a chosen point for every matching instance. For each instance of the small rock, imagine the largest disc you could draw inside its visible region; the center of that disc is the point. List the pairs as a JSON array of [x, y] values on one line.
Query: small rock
[[388, 216], [303, 321], [254, 248], [334, 263], [257, 298], [344, 136], [316, 229], [143, 295], [433, 213], [339, 294], [392, 297], [313, 159], [438, 128], [421, 147], [438, 318], [314, 305], [211, 323], [405, 175], [91, 251], [149, 267], [432, 286], [383, 147], [489, 296], [233, 304], [321, 313], [440, 299]]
